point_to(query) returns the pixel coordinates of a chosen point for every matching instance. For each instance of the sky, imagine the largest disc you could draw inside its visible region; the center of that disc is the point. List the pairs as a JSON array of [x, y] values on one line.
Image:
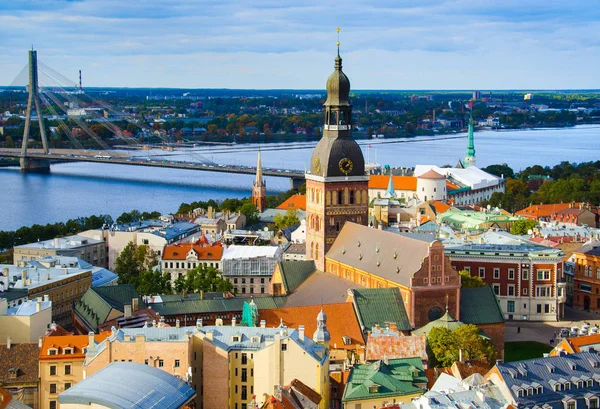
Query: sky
[[291, 44]]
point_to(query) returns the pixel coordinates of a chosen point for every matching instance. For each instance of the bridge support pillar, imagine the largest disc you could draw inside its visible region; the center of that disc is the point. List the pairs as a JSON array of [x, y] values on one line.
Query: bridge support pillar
[[295, 183], [35, 165]]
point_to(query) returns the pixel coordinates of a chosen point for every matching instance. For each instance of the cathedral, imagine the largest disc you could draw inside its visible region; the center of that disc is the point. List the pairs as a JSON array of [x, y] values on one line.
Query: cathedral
[[336, 186]]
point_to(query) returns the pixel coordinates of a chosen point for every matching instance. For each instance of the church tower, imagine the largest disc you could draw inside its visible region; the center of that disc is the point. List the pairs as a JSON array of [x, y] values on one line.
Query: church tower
[[470, 154], [336, 186], [259, 188]]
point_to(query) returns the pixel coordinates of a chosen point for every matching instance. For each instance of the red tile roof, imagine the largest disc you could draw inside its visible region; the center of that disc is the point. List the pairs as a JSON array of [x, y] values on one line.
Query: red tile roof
[[392, 347], [400, 182], [431, 174], [23, 357], [578, 342], [180, 251], [440, 207], [295, 202], [341, 320], [544, 210]]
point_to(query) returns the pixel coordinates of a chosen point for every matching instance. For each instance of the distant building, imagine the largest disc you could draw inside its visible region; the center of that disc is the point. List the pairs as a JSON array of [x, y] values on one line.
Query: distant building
[[249, 268], [19, 371], [167, 391], [295, 252], [404, 186], [26, 323], [294, 202], [177, 259], [586, 283], [92, 250], [471, 220], [389, 343]]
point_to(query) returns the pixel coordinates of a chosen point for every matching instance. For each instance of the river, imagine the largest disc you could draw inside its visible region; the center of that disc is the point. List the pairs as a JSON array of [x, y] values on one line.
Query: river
[[79, 189]]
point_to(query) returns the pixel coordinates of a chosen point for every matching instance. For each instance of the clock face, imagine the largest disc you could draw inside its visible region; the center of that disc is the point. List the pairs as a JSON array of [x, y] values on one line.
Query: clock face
[[317, 163], [346, 166]]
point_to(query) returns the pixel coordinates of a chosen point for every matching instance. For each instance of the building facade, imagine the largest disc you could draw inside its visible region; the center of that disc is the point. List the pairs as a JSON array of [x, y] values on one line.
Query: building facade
[[527, 279], [586, 281], [92, 250], [336, 186], [27, 322], [249, 268], [178, 259]]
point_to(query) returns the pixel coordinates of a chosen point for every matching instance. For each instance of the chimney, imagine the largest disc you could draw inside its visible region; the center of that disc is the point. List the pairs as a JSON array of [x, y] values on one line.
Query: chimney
[[263, 324], [135, 304], [233, 321], [127, 312], [113, 331], [202, 294], [38, 306], [40, 340], [499, 361], [301, 332], [8, 342], [91, 340], [24, 277], [210, 336], [176, 323], [460, 355], [199, 323], [53, 326], [46, 297]]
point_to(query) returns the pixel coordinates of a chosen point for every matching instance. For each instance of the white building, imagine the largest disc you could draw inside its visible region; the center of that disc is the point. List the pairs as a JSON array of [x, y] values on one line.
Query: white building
[[250, 268], [27, 322], [431, 185]]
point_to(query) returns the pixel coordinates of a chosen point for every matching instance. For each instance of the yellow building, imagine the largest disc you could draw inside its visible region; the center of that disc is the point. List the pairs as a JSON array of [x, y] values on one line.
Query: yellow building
[[233, 380], [61, 364], [26, 323]]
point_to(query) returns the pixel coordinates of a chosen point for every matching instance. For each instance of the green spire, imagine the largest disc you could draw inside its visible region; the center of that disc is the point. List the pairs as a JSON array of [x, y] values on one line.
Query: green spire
[[470, 156], [390, 192]]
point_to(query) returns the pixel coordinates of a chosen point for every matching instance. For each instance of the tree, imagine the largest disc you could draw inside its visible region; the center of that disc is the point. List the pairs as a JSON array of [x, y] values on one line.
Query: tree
[[202, 278], [522, 226], [251, 213], [134, 260], [501, 170], [445, 345], [153, 282], [290, 218], [468, 281]]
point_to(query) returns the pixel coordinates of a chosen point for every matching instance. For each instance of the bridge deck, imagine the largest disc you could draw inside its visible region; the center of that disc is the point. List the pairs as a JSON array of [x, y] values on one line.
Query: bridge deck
[[120, 159]]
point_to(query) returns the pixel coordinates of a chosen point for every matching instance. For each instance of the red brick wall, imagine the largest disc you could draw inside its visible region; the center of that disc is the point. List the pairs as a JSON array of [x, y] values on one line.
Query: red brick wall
[[496, 333], [215, 370]]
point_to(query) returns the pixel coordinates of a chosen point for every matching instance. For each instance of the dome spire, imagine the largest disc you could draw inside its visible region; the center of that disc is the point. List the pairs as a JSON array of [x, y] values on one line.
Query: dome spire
[[338, 40]]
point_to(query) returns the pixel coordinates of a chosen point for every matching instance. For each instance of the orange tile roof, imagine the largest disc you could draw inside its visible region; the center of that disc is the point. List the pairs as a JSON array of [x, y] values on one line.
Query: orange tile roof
[[180, 251], [440, 207], [5, 398], [578, 342], [450, 185], [400, 182], [295, 202], [432, 174], [77, 342], [341, 320], [544, 210], [392, 347]]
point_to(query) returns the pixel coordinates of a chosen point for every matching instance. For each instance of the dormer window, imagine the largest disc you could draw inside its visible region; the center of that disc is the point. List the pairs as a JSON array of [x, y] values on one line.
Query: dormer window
[[255, 339], [590, 383], [567, 386], [374, 388], [13, 373], [580, 384], [67, 351], [557, 387], [52, 351], [520, 393], [236, 338]]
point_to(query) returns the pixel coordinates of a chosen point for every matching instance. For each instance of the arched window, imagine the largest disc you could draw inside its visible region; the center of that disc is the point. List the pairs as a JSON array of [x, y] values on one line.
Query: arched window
[[317, 251], [328, 198], [312, 250], [365, 197], [351, 197], [340, 197]]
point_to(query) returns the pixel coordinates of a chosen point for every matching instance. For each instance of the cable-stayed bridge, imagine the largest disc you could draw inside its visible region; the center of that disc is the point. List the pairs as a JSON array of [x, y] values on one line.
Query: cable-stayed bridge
[[51, 90]]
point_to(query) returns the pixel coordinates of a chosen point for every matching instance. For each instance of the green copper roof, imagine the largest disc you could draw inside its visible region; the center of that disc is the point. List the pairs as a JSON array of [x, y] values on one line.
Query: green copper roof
[[380, 306], [97, 302], [222, 305], [445, 321], [480, 306], [294, 273], [397, 377]]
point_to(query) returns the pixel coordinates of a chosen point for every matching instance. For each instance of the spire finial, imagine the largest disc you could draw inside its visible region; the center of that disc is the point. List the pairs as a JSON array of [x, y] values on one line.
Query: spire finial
[[446, 302], [338, 40]]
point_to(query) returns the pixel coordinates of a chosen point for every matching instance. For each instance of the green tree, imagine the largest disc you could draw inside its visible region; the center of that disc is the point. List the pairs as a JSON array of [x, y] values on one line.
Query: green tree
[[468, 281], [290, 218], [153, 282], [251, 213], [501, 170], [522, 226], [134, 260], [445, 345], [202, 278]]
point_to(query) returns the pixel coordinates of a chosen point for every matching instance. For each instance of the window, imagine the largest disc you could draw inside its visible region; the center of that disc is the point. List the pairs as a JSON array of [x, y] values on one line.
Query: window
[[284, 347], [67, 385], [543, 291], [67, 369], [52, 351], [496, 288], [52, 404], [511, 273], [546, 308], [497, 273], [244, 358], [52, 388], [176, 363], [52, 369], [524, 290], [244, 393], [482, 272], [244, 375], [161, 363], [146, 361], [593, 403], [570, 405], [539, 308], [543, 275], [525, 274], [511, 290], [510, 306]]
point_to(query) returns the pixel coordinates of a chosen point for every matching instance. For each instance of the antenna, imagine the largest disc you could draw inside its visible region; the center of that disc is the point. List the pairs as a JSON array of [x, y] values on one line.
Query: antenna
[[80, 86]]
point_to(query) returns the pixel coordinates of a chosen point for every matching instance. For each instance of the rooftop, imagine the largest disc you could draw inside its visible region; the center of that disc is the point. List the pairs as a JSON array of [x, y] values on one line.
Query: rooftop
[[76, 344], [36, 274], [294, 202], [29, 307], [132, 386], [234, 252], [294, 273], [62, 243], [20, 359], [544, 210], [480, 306], [400, 182], [380, 307], [471, 176], [182, 251]]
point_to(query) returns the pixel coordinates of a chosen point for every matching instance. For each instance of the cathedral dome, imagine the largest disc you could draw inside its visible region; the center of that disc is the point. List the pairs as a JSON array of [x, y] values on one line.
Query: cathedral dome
[[337, 157], [338, 86]]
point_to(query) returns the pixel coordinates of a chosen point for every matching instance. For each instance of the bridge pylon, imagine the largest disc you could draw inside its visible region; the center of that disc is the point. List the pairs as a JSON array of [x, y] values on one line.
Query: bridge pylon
[[27, 164]]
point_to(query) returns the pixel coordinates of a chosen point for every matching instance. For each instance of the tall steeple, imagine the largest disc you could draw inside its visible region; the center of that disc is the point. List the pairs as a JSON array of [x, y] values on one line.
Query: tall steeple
[[470, 155], [259, 188]]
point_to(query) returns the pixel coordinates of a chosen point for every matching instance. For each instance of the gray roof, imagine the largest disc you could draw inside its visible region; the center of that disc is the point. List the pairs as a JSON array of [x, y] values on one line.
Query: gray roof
[[480, 306], [131, 386], [547, 372], [391, 256]]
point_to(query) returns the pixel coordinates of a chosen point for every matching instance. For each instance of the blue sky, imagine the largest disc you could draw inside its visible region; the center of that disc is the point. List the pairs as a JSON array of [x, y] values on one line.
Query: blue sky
[[386, 44]]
